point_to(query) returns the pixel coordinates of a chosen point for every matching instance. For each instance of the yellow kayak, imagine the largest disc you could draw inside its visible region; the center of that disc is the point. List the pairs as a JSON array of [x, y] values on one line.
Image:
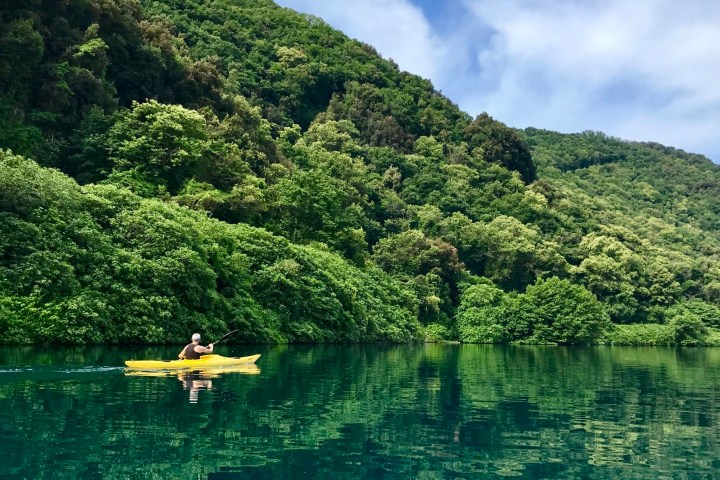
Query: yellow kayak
[[204, 362]]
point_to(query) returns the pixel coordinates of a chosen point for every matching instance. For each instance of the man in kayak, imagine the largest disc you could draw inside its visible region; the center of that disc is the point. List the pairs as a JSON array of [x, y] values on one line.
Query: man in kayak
[[192, 351]]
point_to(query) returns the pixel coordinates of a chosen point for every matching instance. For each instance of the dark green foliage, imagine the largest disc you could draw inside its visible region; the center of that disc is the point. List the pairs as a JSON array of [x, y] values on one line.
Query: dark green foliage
[[61, 58], [708, 313], [411, 253], [393, 215], [99, 264], [367, 107], [435, 332], [161, 144], [688, 329], [507, 252], [550, 311], [579, 151], [480, 315], [640, 334], [650, 216], [565, 313], [499, 144], [430, 266], [315, 206]]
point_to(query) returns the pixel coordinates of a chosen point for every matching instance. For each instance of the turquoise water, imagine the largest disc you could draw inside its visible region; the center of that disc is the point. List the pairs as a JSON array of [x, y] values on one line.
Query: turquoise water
[[385, 412]]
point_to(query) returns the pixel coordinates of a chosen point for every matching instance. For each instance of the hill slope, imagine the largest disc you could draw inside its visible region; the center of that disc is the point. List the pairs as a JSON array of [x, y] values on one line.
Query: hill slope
[[349, 201]]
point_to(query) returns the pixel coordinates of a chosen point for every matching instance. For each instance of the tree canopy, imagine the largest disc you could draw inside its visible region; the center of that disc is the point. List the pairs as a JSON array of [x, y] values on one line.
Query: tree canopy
[[201, 165]]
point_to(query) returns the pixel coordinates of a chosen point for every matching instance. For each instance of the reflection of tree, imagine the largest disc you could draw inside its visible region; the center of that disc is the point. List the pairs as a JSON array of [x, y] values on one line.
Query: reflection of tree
[[614, 408], [394, 411]]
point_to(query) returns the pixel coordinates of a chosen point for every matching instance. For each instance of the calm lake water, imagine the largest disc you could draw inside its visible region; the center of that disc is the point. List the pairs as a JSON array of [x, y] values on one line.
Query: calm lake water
[[385, 412]]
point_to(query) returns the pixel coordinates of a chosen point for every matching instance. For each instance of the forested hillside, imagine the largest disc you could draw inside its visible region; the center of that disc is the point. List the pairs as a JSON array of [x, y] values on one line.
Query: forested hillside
[[205, 165]]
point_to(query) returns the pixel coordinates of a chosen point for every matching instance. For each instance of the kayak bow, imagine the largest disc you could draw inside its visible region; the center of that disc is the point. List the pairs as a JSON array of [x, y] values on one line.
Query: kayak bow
[[206, 361]]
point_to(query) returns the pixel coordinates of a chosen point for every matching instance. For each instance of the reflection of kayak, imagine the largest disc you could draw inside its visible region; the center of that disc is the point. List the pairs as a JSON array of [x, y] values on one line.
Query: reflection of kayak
[[204, 372], [204, 362]]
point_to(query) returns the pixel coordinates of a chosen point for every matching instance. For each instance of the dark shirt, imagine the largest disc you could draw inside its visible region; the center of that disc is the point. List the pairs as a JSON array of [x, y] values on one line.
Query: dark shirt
[[190, 353]]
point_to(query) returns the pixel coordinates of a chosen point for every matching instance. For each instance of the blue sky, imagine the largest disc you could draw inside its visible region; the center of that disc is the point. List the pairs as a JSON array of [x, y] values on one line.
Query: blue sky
[[646, 70]]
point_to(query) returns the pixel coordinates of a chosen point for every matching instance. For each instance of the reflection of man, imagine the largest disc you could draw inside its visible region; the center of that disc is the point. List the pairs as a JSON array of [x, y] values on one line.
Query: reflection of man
[[194, 350], [194, 382]]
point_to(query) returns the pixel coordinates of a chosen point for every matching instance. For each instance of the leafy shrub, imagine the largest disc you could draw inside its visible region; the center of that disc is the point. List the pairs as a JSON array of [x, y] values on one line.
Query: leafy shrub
[[482, 325], [480, 317], [435, 332], [707, 312], [565, 313], [640, 334], [688, 329]]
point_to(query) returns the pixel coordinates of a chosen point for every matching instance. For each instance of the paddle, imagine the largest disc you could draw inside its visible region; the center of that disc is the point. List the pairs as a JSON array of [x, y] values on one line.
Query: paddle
[[227, 335]]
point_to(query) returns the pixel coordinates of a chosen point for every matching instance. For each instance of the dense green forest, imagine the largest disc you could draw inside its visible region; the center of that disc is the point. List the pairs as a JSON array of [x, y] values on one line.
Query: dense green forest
[[188, 165]]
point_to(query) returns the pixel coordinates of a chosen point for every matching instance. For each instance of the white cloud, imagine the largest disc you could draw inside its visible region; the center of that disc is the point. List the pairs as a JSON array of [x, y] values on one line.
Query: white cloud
[[637, 70]]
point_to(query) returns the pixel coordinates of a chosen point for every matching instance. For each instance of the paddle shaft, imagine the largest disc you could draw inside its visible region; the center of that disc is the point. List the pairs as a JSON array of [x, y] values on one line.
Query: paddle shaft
[[226, 336]]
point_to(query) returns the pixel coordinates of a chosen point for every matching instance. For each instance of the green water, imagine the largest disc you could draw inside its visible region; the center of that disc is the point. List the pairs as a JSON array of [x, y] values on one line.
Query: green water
[[386, 412]]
